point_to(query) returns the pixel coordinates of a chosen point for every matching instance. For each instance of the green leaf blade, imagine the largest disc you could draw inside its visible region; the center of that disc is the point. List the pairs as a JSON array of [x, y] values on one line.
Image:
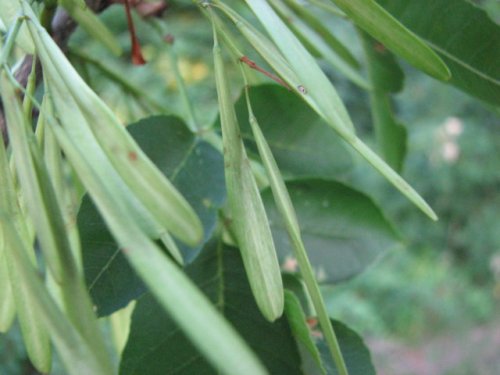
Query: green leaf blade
[[185, 160], [372, 18], [343, 230], [386, 77], [300, 141], [219, 272], [355, 351], [467, 40], [178, 296]]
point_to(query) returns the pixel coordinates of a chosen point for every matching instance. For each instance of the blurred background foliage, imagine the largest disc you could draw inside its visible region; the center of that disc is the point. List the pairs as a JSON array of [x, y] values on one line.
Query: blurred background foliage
[[445, 282]]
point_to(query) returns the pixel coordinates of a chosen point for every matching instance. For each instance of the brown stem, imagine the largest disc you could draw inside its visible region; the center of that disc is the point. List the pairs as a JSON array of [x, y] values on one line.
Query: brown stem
[[254, 66], [137, 58]]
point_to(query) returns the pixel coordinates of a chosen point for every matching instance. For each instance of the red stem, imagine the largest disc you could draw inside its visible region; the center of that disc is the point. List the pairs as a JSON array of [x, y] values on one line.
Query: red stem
[[137, 58], [254, 66]]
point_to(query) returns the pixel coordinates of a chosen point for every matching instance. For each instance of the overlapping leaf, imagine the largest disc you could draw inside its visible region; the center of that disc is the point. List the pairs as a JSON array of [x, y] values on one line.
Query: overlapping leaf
[[356, 354], [301, 143], [372, 18], [463, 35], [342, 229], [186, 160], [386, 77], [157, 346]]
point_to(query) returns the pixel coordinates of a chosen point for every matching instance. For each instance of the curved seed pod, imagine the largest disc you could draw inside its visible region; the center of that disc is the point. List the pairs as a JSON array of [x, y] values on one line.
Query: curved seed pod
[[34, 332], [78, 357], [8, 15], [48, 221], [26, 167], [249, 218], [147, 183], [274, 57], [314, 81], [192, 311], [285, 207], [8, 306]]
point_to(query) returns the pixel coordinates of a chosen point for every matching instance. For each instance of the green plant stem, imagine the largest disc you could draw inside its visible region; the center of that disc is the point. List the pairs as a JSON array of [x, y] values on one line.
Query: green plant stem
[[11, 38], [192, 122], [30, 92]]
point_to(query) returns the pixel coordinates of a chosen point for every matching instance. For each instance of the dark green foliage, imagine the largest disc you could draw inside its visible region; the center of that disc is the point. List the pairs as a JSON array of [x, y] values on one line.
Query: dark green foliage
[[302, 144], [157, 346], [326, 211], [186, 160], [463, 35]]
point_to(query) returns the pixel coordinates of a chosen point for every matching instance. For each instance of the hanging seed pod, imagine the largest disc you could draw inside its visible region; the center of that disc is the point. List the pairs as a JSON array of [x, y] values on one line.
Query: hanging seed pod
[[249, 220], [287, 212], [76, 354], [35, 334], [7, 306], [195, 315], [146, 182]]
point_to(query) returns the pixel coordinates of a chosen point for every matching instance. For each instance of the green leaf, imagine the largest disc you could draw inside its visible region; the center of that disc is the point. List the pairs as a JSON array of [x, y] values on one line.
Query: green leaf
[[386, 77], [300, 142], [463, 35], [183, 301], [372, 18], [157, 346], [185, 160], [248, 216], [354, 350], [342, 229]]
